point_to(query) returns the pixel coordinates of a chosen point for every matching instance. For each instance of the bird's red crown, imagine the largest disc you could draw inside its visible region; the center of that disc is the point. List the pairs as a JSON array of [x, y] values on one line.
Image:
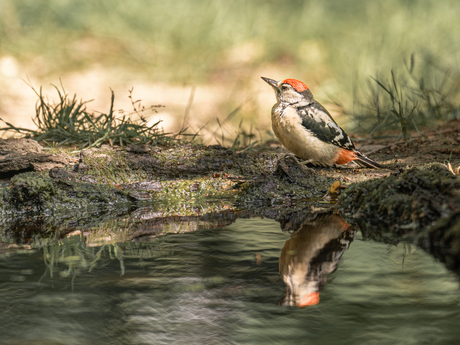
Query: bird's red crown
[[296, 84]]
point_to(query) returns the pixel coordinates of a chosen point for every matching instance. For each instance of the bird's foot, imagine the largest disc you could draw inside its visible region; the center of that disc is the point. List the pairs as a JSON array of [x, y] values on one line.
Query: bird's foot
[[282, 157], [304, 162]]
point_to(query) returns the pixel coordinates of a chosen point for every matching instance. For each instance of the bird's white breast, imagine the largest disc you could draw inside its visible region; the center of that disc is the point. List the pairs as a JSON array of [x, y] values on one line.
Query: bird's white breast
[[287, 125]]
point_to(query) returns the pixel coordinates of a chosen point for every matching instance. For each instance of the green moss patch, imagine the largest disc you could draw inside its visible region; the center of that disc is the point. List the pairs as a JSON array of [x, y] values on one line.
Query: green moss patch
[[401, 204]]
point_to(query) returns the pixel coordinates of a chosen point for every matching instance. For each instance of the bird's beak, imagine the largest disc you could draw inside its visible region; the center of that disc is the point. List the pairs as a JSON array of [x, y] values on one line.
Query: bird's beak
[[273, 83]]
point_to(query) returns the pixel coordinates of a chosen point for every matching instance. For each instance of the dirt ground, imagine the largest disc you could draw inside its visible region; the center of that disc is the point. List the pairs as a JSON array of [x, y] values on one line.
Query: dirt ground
[[439, 144]]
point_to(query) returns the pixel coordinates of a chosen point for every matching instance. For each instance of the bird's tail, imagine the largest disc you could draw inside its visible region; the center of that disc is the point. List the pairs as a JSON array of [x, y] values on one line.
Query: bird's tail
[[365, 162]]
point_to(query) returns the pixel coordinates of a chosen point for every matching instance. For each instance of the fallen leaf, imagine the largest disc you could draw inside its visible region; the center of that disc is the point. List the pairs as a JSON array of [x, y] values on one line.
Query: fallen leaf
[[334, 187]]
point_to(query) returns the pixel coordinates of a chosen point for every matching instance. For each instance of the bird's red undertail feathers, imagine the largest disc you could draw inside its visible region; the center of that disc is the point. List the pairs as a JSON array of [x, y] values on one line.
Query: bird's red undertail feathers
[[346, 156]]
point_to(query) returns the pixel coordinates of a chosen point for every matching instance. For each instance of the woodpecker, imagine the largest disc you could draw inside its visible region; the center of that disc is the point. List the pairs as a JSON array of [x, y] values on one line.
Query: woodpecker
[[307, 129], [310, 255]]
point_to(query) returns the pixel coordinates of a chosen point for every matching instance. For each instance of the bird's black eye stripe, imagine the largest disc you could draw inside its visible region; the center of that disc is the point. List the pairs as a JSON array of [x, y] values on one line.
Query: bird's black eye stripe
[[284, 87]]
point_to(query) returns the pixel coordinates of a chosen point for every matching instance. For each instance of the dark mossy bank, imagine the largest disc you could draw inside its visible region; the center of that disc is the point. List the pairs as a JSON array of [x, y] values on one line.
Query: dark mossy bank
[[418, 205]]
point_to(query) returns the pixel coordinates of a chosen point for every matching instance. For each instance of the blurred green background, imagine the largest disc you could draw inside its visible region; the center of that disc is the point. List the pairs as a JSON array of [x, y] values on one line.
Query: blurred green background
[[203, 59]]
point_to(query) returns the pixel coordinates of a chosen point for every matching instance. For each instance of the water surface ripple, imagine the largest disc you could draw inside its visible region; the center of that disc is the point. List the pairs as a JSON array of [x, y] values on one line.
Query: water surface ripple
[[223, 286]]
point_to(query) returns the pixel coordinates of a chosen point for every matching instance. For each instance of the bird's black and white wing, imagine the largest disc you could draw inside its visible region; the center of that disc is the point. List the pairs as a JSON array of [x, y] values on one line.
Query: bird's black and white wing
[[320, 123]]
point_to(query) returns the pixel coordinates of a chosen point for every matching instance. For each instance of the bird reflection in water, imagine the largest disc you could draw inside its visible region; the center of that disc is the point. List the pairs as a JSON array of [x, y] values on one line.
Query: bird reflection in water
[[310, 255]]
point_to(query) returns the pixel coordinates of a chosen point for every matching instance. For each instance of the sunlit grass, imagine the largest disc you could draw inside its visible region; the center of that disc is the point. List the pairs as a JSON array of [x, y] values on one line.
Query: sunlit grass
[[184, 40], [408, 98], [67, 122], [334, 46]]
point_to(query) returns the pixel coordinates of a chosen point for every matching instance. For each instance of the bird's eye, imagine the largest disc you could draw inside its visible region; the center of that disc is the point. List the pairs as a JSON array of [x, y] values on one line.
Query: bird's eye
[[284, 87]]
